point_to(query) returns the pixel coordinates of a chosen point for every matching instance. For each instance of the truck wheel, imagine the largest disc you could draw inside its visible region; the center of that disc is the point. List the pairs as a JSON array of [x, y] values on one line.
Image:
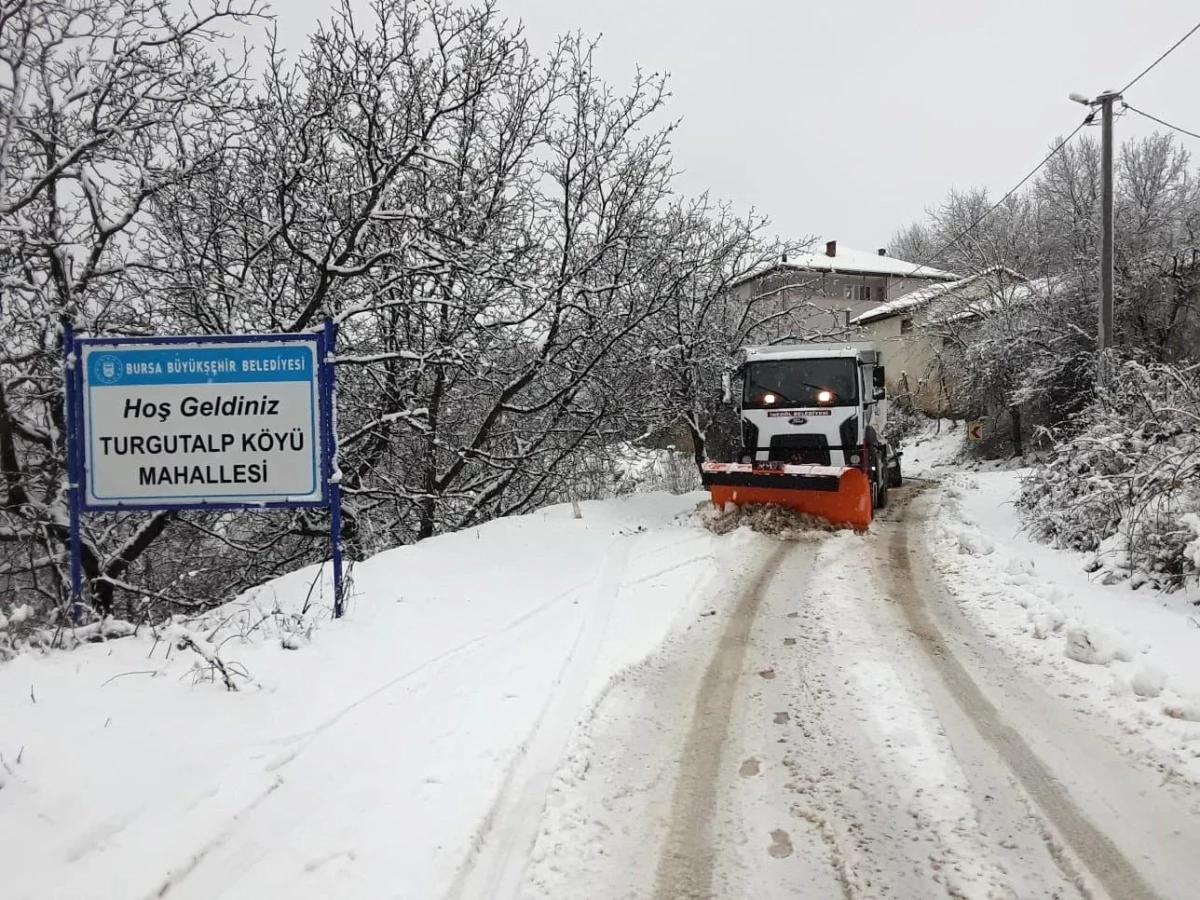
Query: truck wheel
[[879, 488], [895, 479]]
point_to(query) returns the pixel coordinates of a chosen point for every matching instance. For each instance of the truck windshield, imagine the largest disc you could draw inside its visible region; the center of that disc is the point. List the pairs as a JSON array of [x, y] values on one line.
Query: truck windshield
[[791, 383]]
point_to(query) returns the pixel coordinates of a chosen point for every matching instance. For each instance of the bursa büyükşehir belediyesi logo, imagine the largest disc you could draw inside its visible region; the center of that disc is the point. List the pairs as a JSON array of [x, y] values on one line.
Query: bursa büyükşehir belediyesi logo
[[106, 369]]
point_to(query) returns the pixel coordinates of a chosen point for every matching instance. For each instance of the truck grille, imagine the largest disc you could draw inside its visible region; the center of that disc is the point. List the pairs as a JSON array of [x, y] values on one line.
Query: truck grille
[[800, 449]]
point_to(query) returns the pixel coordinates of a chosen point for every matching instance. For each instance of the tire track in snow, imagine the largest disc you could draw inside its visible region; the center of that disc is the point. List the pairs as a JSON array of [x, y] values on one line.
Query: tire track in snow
[[177, 877], [1119, 878], [497, 868], [873, 775], [305, 738], [685, 870]]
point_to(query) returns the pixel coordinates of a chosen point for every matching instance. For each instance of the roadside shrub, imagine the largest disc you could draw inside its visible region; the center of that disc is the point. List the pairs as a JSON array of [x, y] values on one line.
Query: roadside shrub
[[1125, 484]]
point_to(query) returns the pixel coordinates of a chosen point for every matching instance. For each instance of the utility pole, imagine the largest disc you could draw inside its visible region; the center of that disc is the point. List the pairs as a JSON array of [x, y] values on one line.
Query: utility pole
[[1104, 335], [1104, 325]]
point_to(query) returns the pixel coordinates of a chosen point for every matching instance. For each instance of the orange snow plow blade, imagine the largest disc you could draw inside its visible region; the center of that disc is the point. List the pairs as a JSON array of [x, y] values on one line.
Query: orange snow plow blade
[[840, 495]]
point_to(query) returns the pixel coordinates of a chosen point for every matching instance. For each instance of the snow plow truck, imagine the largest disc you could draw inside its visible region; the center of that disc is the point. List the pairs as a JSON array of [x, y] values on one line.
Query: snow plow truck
[[812, 427]]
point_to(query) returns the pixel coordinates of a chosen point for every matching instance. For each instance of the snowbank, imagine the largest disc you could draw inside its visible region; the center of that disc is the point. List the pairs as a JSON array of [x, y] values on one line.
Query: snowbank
[[1132, 654], [127, 769], [1124, 486], [931, 452]]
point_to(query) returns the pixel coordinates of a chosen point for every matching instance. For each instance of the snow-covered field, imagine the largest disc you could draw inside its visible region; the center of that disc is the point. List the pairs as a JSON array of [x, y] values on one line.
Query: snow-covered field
[[623, 703]]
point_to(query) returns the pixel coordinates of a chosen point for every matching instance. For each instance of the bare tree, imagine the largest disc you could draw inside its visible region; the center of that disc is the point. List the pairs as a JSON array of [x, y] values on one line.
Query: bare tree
[[965, 234], [693, 341], [1028, 352], [106, 104], [493, 230], [483, 225]]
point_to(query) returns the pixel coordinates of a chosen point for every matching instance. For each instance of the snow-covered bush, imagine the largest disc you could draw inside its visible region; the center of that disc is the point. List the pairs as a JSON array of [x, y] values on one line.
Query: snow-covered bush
[[1126, 485], [904, 419]]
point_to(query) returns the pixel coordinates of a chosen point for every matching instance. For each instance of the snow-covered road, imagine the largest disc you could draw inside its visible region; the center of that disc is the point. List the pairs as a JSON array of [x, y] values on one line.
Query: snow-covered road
[[620, 704], [1118, 828], [839, 729]]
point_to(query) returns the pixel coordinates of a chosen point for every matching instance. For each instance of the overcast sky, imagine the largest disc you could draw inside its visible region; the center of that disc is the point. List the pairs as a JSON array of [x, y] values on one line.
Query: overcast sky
[[845, 118]]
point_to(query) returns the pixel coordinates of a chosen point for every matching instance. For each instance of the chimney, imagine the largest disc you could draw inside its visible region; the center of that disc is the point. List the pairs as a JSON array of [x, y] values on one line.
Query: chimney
[[883, 251], [785, 257], [831, 248]]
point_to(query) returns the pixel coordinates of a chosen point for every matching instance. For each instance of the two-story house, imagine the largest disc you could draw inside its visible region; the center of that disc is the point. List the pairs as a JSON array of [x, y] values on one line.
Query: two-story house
[[813, 295]]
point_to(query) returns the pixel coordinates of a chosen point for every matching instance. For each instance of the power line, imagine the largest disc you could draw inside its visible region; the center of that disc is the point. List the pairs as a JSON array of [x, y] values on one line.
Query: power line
[[1087, 121], [1146, 71], [1162, 122], [991, 209]]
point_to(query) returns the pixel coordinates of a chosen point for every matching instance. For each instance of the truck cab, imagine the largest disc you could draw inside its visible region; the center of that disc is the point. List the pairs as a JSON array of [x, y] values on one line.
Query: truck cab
[[817, 404]]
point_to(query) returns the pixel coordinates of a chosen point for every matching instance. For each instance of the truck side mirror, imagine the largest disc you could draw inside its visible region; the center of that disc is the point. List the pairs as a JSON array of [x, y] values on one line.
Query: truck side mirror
[[726, 389], [879, 383]]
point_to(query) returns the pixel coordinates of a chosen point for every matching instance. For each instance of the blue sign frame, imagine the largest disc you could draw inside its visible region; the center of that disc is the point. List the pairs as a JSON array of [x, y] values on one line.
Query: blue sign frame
[[326, 476]]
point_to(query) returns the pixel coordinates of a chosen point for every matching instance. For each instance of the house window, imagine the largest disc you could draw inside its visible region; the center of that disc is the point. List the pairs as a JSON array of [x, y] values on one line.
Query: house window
[[905, 326], [858, 293]]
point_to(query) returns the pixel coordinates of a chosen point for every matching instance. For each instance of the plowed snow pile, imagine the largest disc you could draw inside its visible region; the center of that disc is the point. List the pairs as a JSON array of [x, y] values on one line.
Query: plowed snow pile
[[773, 521]]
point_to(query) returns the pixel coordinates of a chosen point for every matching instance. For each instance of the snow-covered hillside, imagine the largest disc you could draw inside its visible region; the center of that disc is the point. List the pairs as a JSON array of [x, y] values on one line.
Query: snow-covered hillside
[[378, 747]]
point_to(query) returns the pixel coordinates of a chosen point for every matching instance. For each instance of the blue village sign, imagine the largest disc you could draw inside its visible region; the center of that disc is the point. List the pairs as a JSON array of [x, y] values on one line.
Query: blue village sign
[[211, 423]]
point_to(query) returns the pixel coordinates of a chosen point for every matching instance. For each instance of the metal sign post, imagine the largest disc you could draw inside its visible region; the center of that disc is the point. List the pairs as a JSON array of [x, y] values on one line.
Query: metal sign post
[[203, 423], [333, 474], [74, 478]]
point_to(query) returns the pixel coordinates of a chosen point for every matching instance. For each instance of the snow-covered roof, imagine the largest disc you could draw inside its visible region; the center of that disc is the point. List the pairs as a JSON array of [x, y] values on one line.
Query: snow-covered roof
[[1008, 297], [847, 261], [926, 295]]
